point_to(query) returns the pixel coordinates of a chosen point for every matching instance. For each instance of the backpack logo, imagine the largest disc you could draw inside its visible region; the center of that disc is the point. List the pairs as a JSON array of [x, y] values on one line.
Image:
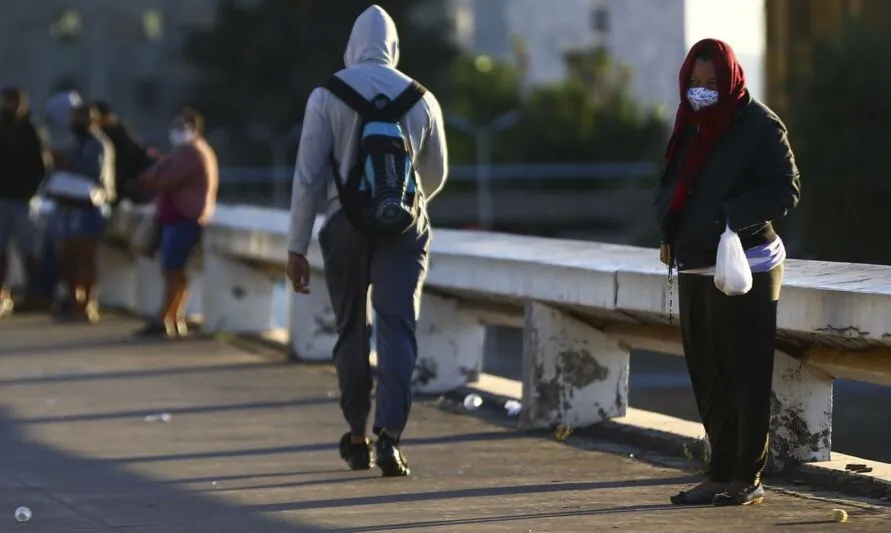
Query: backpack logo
[[392, 177]]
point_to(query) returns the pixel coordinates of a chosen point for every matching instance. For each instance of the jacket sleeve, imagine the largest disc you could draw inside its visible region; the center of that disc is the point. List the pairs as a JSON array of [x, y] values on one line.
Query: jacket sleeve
[[38, 158], [312, 172], [107, 169], [777, 186], [432, 163], [174, 168], [661, 196]]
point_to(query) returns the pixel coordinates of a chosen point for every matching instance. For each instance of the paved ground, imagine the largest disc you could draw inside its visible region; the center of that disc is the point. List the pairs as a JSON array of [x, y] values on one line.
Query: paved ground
[[250, 449]]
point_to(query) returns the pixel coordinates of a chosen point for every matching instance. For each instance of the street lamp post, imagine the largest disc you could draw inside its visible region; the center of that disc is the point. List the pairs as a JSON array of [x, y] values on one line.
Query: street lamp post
[[482, 135]]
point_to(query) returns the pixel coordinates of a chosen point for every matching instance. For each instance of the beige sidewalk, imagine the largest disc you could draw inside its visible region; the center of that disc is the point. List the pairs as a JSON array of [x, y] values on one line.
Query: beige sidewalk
[[251, 447]]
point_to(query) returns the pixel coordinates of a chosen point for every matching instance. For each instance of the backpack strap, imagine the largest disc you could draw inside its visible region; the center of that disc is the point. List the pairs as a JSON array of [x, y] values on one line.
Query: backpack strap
[[406, 100], [350, 97]]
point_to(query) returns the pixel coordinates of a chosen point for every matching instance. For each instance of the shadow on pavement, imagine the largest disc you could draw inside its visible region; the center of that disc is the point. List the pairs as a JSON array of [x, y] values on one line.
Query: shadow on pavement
[[487, 492], [514, 518], [314, 447], [75, 494], [62, 349], [140, 413], [136, 374]]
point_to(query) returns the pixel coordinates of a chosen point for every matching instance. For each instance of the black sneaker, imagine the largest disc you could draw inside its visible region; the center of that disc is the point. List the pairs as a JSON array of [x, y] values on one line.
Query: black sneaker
[[156, 330], [389, 457], [702, 494], [356, 455], [740, 494]]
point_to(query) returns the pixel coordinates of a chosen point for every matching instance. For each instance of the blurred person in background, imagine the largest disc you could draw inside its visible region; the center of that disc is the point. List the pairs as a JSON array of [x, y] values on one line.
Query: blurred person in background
[[57, 118], [23, 166], [131, 155], [187, 181], [82, 187], [58, 121], [729, 164], [411, 136]]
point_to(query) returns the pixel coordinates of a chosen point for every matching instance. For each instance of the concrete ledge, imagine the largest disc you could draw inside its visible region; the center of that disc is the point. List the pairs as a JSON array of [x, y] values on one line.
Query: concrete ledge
[[677, 438]]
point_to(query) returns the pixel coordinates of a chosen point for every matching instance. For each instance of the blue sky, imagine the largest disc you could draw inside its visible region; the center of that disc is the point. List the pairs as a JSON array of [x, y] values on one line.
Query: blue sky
[[737, 22]]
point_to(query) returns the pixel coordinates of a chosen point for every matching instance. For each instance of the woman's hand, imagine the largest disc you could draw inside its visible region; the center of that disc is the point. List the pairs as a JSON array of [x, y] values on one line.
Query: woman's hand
[[664, 253]]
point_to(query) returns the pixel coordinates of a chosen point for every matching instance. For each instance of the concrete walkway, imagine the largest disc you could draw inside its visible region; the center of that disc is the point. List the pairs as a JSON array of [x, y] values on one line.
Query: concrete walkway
[[250, 448]]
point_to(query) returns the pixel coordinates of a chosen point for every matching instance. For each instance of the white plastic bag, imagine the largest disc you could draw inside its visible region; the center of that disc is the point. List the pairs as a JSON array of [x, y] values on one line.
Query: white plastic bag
[[733, 275], [63, 184]]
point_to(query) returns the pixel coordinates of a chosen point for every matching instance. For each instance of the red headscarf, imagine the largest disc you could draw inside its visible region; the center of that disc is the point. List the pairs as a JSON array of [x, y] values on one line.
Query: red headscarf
[[713, 121]]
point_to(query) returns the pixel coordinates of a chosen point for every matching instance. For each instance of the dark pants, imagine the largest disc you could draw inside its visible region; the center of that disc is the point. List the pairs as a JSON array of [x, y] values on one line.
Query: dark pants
[[395, 272], [729, 346], [49, 269]]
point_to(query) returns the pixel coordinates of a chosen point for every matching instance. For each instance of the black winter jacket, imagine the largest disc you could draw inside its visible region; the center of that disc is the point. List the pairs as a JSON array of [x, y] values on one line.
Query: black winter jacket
[[749, 179], [22, 159]]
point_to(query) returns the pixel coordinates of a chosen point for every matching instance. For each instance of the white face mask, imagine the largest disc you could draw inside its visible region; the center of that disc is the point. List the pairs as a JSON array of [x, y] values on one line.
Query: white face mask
[[180, 137], [700, 97]]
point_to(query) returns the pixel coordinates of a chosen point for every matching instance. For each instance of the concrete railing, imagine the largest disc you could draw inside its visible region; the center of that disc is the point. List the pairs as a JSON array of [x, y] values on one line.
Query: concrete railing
[[581, 305]]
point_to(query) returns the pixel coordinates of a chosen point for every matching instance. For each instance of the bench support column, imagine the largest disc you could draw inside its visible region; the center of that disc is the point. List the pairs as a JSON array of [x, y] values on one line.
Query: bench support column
[[118, 278], [237, 298], [801, 413], [312, 326], [573, 374], [450, 346], [150, 286]]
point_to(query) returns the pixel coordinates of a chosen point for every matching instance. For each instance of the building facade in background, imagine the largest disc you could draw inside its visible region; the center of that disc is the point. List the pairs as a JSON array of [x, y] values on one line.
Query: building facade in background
[[124, 51], [651, 37], [128, 52], [793, 29]]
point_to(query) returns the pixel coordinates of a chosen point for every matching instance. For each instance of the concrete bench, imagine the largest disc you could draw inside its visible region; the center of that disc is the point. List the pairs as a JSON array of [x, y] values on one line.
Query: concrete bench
[[582, 307]]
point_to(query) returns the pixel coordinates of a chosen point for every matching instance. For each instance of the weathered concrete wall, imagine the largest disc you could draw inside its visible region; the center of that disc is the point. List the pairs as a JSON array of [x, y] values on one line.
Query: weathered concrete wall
[[573, 375]]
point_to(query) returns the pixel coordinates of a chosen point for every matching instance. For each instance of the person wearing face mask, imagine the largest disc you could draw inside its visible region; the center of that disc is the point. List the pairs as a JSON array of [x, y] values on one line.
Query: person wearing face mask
[[187, 181], [728, 163], [132, 156], [23, 161], [82, 187]]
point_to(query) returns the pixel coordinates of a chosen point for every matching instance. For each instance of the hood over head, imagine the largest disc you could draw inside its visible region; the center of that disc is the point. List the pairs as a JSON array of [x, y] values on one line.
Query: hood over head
[[59, 106], [374, 39]]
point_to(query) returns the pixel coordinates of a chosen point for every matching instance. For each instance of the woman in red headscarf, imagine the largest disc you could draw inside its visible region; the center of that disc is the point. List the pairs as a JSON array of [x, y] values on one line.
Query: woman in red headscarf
[[728, 164]]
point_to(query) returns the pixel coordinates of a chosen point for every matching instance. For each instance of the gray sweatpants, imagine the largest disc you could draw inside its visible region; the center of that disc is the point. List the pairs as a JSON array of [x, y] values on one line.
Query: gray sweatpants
[[395, 271]]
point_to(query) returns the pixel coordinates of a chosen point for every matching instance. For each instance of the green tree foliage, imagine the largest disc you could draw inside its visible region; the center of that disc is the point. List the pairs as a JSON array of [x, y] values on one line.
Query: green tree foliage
[[839, 127], [590, 116], [260, 60], [481, 91]]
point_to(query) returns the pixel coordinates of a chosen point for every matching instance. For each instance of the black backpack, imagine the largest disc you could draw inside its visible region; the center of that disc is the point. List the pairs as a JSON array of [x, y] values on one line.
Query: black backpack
[[380, 196]]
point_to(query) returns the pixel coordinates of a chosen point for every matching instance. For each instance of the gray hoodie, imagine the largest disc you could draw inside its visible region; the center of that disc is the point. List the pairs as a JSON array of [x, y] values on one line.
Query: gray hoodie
[[329, 126]]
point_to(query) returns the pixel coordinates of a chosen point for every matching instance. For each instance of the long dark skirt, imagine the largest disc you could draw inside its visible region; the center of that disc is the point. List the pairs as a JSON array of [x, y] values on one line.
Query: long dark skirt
[[729, 346]]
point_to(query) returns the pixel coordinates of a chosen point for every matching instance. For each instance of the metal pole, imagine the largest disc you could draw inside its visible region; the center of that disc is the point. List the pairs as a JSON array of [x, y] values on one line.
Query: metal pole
[[484, 179], [99, 50], [279, 160]]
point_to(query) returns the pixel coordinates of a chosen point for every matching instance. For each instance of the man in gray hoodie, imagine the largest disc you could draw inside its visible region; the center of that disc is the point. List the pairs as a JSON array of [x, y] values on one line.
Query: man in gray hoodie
[[354, 261]]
